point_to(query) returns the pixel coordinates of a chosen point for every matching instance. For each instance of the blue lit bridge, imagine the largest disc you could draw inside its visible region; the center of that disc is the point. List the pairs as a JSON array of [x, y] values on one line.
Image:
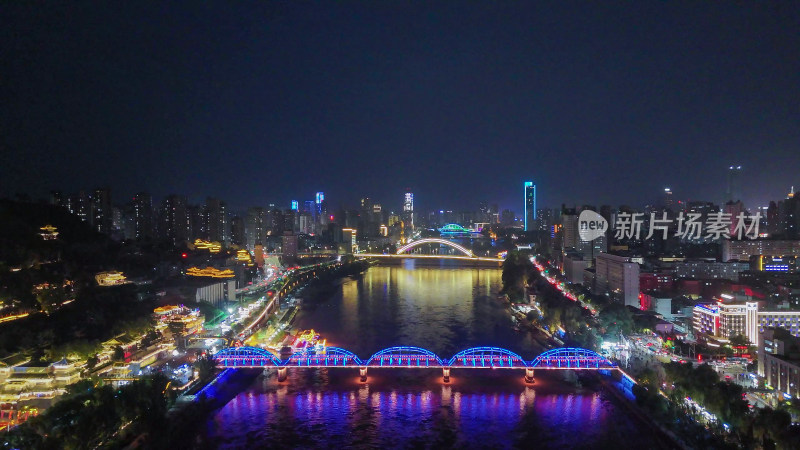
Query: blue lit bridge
[[416, 358]]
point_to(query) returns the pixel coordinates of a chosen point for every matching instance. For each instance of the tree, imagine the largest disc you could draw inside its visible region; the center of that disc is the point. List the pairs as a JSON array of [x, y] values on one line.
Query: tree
[[615, 319], [92, 361], [119, 354], [205, 367], [516, 269], [50, 298], [739, 340]]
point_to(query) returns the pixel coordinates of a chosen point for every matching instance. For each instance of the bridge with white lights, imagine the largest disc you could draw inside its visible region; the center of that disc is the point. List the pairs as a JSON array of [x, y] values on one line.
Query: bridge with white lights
[[413, 250], [415, 358]]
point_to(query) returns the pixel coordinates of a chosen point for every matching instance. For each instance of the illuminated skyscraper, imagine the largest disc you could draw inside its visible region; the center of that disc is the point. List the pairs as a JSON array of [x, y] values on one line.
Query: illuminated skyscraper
[[668, 202], [408, 209], [530, 206]]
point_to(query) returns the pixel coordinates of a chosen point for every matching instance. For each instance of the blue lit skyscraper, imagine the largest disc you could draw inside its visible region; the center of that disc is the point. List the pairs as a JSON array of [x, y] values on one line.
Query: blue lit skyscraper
[[530, 205]]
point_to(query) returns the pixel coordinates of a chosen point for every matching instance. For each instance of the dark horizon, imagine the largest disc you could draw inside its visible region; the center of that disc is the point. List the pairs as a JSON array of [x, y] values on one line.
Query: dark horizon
[[254, 104]]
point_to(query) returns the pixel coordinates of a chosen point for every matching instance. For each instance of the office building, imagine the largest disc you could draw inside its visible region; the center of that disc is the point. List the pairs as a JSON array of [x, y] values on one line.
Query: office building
[[668, 201], [784, 264], [573, 266], [289, 248], [173, 221], [237, 231], [255, 227], [732, 193], [530, 206], [617, 275], [143, 215], [734, 250], [779, 361], [216, 220], [102, 211], [408, 209], [728, 317], [706, 270], [80, 205]]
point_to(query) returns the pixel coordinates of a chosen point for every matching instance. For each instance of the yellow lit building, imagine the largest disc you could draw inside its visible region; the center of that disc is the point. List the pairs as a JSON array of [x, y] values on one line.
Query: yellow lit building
[[244, 256], [213, 247], [48, 233], [210, 272], [191, 319], [110, 278], [25, 382]]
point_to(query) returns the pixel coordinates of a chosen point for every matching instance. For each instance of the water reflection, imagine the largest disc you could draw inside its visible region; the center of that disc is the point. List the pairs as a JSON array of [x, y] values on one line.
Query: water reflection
[[443, 309], [487, 409]]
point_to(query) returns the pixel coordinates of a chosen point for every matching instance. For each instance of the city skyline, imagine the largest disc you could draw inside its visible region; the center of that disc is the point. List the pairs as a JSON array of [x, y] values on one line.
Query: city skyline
[[444, 101]]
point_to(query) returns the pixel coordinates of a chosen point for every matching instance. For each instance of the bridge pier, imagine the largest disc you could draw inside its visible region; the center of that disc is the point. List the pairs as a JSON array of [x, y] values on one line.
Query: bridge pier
[[363, 372], [446, 374], [282, 373], [529, 376]]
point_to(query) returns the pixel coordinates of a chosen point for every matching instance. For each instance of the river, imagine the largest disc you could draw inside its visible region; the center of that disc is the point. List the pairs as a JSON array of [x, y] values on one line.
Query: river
[[443, 309]]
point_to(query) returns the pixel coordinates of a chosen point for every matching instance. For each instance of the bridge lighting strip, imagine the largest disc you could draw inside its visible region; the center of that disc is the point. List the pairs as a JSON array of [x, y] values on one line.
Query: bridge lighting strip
[[434, 241], [466, 258]]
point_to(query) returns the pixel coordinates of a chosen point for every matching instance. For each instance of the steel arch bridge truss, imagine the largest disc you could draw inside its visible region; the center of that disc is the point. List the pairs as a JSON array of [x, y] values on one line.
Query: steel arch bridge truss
[[571, 358], [331, 357], [480, 357], [411, 245], [247, 357], [416, 357], [404, 357]]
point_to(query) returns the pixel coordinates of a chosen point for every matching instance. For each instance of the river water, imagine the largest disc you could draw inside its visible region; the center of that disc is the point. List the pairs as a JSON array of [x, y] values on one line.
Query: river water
[[443, 309]]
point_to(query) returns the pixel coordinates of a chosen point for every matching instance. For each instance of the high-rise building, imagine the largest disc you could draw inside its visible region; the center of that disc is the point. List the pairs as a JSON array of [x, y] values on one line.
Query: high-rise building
[[80, 205], [57, 198], [216, 220], [295, 205], [102, 212], [289, 247], [732, 192], [143, 215], [255, 227], [617, 274], [197, 222], [305, 222], [530, 206], [290, 222], [789, 216], [408, 209], [237, 231], [173, 220], [275, 222], [319, 198], [668, 201]]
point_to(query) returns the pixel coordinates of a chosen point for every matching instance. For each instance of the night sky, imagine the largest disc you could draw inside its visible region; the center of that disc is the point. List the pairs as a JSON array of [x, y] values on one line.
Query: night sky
[[258, 102]]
